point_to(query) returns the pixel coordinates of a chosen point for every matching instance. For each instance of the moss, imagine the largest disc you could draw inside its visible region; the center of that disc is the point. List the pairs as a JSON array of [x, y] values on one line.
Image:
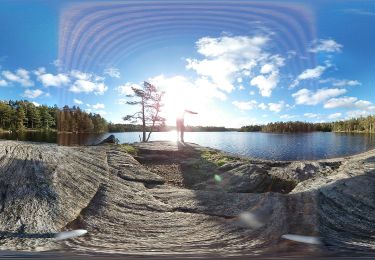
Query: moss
[[215, 157], [221, 162], [129, 149]]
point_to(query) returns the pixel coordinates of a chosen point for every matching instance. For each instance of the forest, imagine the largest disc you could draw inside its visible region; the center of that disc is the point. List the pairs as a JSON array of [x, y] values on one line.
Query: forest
[[362, 124], [25, 115]]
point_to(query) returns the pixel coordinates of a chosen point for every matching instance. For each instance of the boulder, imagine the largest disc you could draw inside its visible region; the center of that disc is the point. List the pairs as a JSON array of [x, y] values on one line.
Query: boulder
[[109, 140]]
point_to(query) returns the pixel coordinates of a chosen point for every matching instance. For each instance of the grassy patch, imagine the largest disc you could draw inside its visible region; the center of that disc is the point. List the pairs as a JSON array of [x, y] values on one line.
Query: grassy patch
[[216, 157], [129, 149]]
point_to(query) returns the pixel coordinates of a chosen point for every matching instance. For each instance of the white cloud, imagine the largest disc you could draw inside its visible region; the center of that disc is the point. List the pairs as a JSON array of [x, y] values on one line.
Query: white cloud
[[98, 106], [356, 113], [32, 93], [57, 63], [326, 45], [81, 75], [262, 106], [86, 86], [50, 80], [311, 115], [267, 68], [241, 87], [266, 83], [276, 107], [340, 102], [21, 76], [229, 59], [308, 97], [126, 89], [78, 102], [3, 83], [36, 104], [269, 77], [334, 116], [313, 73], [112, 72], [341, 83], [252, 93], [351, 103], [249, 105]]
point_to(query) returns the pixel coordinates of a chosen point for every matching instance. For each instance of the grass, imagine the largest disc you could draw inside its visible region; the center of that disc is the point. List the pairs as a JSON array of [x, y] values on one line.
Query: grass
[[129, 149], [216, 157]]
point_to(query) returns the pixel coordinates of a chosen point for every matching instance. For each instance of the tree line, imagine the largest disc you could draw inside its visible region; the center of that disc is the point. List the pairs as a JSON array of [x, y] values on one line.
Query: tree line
[[25, 115], [164, 128], [362, 124]]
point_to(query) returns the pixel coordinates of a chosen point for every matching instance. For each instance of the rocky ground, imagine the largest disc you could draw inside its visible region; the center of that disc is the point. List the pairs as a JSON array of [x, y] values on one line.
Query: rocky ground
[[172, 199]]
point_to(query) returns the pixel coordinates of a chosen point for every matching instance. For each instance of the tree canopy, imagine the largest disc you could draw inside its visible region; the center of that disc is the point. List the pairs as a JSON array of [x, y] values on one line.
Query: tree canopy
[[362, 124], [149, 100], [22, 115]]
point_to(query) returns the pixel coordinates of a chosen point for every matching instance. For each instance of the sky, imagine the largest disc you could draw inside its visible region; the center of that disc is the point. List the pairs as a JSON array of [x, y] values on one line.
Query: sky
[[234, 62]]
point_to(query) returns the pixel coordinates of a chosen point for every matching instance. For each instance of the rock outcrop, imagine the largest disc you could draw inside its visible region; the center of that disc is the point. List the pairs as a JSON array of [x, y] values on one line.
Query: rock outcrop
[[216, 204]]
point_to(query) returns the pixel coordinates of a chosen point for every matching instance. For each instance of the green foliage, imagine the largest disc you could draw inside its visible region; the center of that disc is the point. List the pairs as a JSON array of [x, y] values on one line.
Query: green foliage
[[129, 149], [362, 124], [216, 157], [251, 128], [21, 115], [77, 121]]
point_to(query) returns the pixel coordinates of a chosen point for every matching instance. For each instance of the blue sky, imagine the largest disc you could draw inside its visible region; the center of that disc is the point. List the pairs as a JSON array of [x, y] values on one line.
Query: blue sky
[[234, 62]]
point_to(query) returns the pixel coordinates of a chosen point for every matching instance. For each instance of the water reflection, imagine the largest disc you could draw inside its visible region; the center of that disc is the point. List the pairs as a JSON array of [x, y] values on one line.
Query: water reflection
[[68, 139]]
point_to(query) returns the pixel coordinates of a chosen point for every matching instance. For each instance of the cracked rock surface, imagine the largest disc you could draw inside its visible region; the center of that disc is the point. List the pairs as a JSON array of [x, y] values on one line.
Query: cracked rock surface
[[128, 208]]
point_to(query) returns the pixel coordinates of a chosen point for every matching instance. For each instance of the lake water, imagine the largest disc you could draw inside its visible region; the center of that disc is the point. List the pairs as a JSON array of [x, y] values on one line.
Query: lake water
[[299, 146]]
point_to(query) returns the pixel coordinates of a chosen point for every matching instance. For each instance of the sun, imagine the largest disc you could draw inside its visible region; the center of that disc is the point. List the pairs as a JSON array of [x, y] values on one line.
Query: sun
[[176, 100]]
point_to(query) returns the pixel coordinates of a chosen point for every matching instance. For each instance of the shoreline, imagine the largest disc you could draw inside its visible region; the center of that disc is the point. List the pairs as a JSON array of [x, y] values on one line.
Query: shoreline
[[242, 157]]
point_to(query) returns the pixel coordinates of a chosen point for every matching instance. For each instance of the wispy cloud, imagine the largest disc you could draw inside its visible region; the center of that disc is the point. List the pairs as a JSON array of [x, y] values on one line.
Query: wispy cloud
[[77, 101], [326, 45], [350, 102], [248, 105], [308, 97], [307, 74], [98, 106], [334, 116], [50, 80], [32, 93], [112, 72], [21, 76], [359, 12], [340, 83]]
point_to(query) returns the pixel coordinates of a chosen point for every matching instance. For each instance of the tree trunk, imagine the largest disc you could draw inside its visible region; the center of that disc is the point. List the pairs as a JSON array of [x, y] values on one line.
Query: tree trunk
[[143, 121]]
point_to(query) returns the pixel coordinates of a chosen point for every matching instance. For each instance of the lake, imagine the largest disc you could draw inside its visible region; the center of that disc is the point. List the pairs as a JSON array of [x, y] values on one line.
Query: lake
[[316, 145]]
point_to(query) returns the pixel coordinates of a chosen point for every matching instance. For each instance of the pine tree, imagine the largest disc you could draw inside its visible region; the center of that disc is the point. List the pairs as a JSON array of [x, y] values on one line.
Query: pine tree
[[150, 104], [21, 119]]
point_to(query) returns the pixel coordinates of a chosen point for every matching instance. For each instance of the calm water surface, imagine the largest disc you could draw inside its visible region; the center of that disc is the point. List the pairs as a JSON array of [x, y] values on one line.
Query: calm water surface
[[260, 145]]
